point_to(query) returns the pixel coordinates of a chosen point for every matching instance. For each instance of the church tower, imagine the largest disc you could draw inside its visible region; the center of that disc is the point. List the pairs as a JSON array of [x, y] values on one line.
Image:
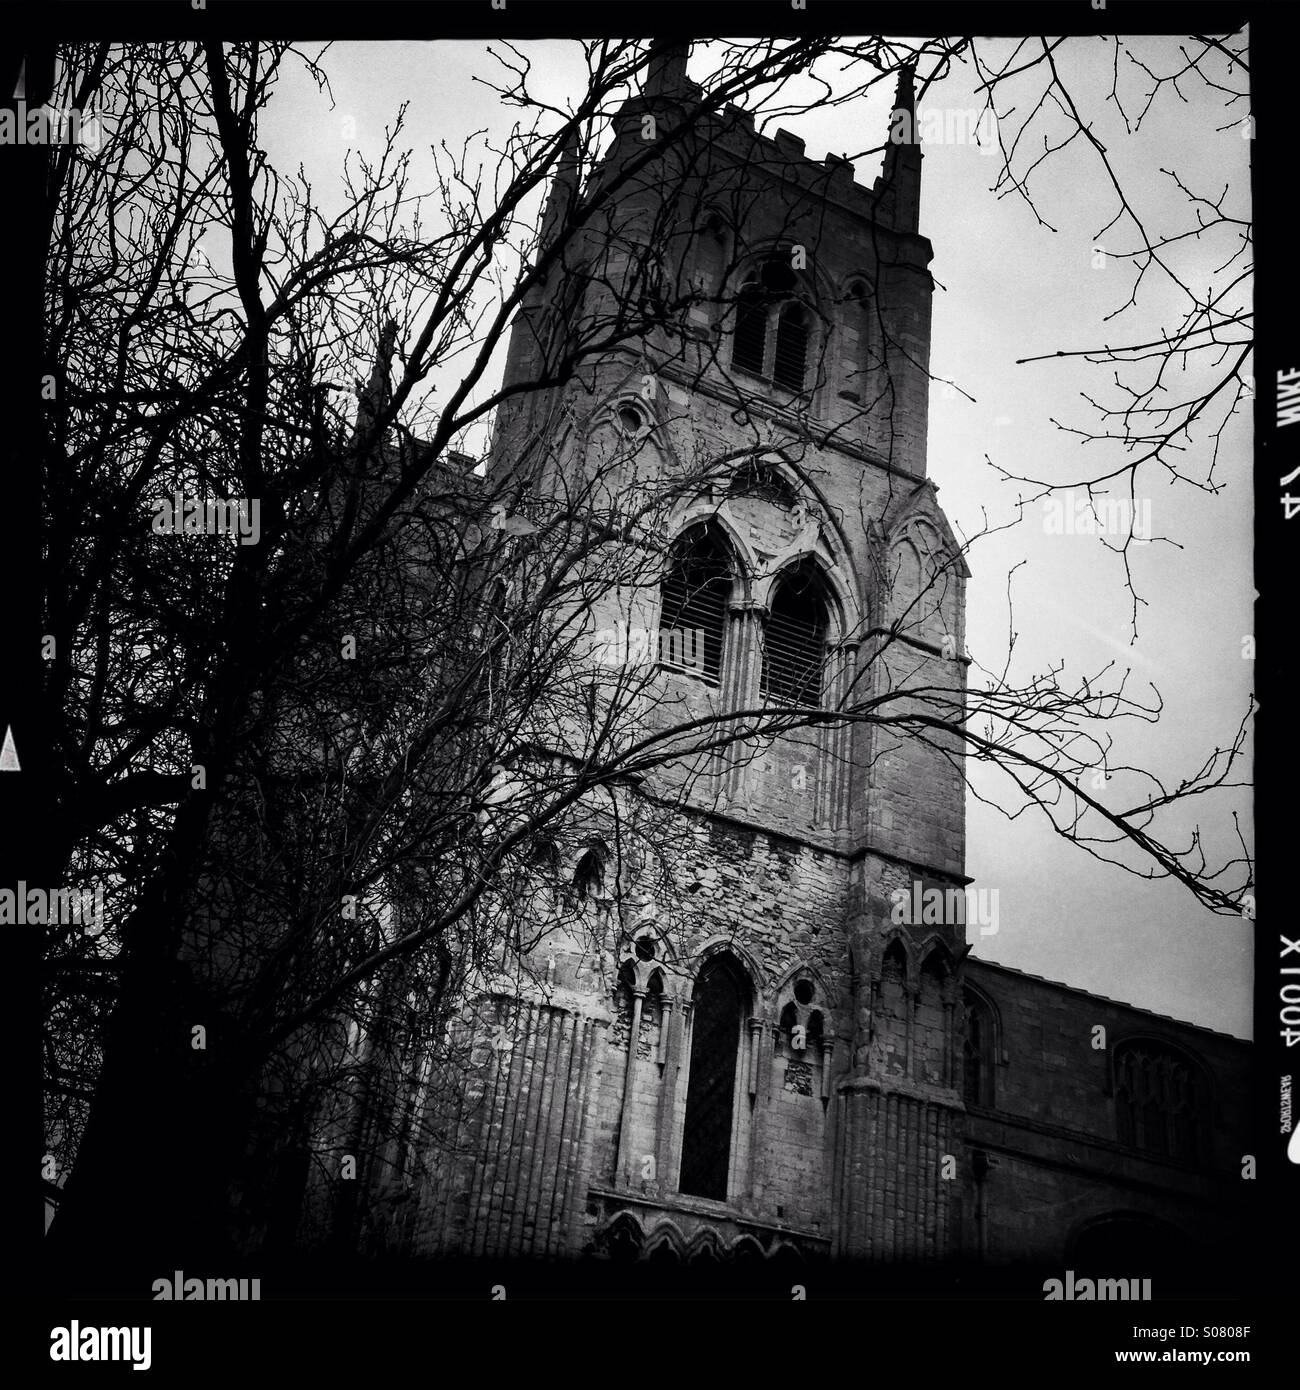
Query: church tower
[[750, 1048]]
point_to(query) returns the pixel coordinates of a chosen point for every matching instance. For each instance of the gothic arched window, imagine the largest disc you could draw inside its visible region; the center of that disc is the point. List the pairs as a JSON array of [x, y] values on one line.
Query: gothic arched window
[[892, 1008], [773, 331], [710, 256], [794, 638], [695, 595], [978, 1053], [790, 361], [719, 1004], [1160, 1098], [749, 344], [856, 333], [787, 1023], [762, 481], [589, 874]]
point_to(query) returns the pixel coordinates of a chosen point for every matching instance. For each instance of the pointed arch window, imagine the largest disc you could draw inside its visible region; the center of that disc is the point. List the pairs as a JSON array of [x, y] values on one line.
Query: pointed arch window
[[772, 331], [749, 345], [857, 339], [978, 1053], [719, 1003], [694, 599], [891, 1010], [1160, 1100], [800, 1042], [787, 1023], [589, 873], [710, 256], [794, 638], [790, 360]]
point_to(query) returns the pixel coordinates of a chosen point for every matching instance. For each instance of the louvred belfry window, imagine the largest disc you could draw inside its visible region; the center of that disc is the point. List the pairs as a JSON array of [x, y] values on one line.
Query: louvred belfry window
[[749, 345], [772, 331], [794, 639], [791, 360], [695, 596]]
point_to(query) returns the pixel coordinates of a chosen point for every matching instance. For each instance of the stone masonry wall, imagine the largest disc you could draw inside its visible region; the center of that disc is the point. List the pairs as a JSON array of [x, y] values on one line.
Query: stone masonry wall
[[1051, 1131]]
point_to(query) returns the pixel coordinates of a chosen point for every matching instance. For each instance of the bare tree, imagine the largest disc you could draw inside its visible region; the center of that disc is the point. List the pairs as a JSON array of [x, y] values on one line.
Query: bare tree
[[332, 770], [1171, 393]]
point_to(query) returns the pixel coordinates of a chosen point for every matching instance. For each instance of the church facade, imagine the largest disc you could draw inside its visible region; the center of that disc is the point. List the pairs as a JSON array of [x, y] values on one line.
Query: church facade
[[770, 1050]]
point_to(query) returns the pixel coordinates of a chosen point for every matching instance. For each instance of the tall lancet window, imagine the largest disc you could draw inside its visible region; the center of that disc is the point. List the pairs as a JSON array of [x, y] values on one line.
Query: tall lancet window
[[857, 338], [749, 345], [790, 361], [978, 1052], [695, 595], [794, 638], [719, 1004]]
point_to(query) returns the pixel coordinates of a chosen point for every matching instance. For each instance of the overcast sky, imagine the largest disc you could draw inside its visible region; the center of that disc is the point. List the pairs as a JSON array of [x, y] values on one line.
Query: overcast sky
[[1007, 288]]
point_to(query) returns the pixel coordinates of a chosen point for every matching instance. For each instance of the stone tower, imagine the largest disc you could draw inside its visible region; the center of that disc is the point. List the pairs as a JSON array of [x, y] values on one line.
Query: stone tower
[[752, 1050]]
